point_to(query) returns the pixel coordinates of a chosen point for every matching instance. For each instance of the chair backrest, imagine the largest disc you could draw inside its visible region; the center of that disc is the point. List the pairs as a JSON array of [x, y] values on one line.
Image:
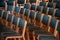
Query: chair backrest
[[53, 22], [15, 20], [22, 25], [50, 4], [27, 6], [57, 13], [9, 18], [21, 1], [44, 10], [17, 9], [45, 19], [10, 2], [42, 4], [58, 27], [2, 4], [32, 1], [51, 11], [1, 12], [9, 8], [26, 13], [38, 16], [4, 16], [38, 8], [58, 5], [33, 7], [22, 11], [32, 14]]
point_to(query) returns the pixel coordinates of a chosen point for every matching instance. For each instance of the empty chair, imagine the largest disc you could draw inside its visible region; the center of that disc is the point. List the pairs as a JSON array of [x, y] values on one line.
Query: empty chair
[[21, 27], [32, 1], [50, 4], [33, 7], [52, 24], [4, 18], [21, 12], [46, 37], [7, 32], [22, 24], [45, 21], [9, 20], [44, 11], [27, 6], [15, 20], [26, 14], [38, 18], [32, 16], [42, 4], [16, 10], [57, 13], [51, 11]]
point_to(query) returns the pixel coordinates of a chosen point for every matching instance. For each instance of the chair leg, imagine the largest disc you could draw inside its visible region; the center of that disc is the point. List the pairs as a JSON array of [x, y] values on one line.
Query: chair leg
[[28, 35], [33, 36], [6, 39], [23, 38], [15, 39]]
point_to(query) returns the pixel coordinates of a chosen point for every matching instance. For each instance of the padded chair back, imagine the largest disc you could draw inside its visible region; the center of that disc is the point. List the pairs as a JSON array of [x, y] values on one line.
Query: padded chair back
[[22, 11], [27, 6], [51, 11], [42, 4], [44, 10], [58, 27], [22, 25], [33, 7], [50, 4], [57, 13], [17, 9], [10, 2], [4, 16], [15, 20], [39, 8], [53, 22], [9, 8], [1, 12], [26, 12], [9, 18], [2, 4], [21, 1], [32, 14], [32, 1], [45, 19], [38, 16]]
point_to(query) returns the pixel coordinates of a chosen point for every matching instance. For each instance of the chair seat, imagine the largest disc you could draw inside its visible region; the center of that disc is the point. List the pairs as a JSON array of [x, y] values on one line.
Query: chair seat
[[47, 38], [2, 4], [33, 27], [4, 35], [4, 28], [42, 32]]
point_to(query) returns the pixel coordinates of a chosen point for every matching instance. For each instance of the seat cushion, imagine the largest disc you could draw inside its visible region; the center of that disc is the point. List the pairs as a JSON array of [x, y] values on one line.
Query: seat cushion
[[41, 32], [4, 35], [47, 38]]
